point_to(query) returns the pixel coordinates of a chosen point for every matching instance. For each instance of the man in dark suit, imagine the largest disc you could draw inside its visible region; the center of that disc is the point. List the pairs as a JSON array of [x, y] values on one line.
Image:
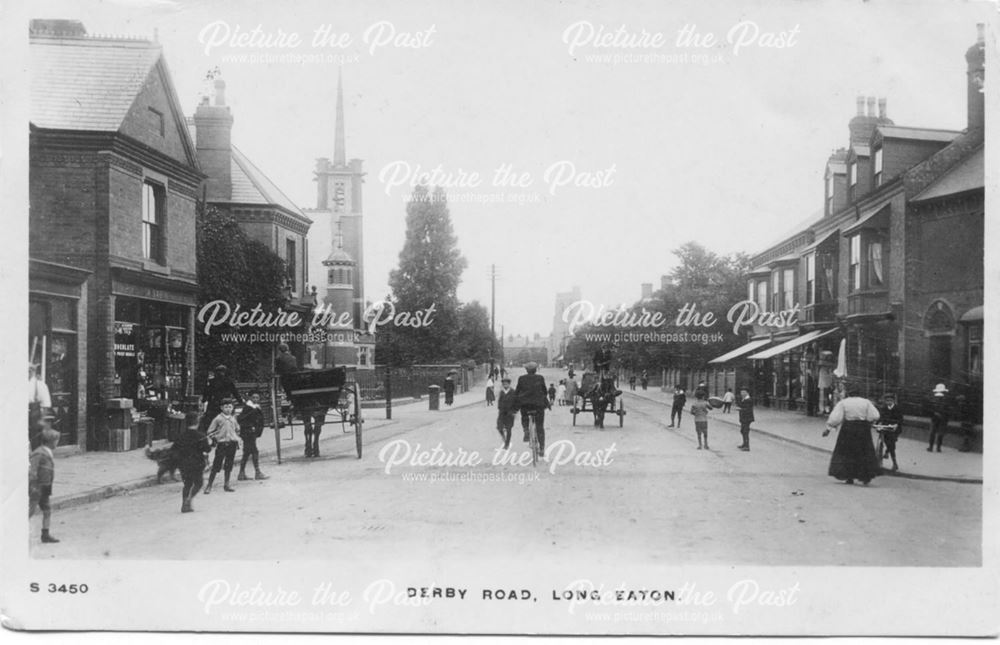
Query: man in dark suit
[[745, 405], [533, 397], [218, 388], [285, 363], [602, 359], [506, 409]]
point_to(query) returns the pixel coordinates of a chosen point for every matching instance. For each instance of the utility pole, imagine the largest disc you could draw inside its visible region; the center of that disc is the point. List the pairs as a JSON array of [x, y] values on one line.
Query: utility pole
[[493, 316]]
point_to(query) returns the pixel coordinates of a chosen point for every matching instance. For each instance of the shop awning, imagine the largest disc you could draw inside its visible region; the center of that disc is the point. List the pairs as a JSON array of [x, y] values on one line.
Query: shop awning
[[792, 344], [740, 351]]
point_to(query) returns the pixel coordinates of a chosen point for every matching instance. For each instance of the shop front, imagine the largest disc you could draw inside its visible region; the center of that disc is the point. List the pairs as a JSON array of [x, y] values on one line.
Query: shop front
[[153, 348], [56, 322]]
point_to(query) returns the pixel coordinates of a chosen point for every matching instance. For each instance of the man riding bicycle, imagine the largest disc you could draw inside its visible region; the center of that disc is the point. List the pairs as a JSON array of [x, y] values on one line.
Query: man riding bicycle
[[533, 398]]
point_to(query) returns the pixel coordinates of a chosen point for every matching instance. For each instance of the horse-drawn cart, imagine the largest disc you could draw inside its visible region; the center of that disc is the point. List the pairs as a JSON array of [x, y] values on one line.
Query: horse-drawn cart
[[316, 392], [600, 396]]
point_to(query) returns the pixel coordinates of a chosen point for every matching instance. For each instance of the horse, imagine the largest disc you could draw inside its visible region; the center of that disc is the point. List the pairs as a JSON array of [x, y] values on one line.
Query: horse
[[601, 395]]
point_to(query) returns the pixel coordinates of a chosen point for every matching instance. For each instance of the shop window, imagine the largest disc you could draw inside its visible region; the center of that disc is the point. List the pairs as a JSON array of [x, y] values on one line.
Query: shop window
[[811, 279], [788, 288], [151, 351], [153, 202], [854, 272], [975, 356]]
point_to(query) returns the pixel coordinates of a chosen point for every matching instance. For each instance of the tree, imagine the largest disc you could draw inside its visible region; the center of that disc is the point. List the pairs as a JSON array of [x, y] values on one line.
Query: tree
[[239, 271], [430, 269], [473, 340]]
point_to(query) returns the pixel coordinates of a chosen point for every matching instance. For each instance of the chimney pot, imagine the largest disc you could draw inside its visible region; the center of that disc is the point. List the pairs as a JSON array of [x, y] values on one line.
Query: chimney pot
[[881, 108], [980, 32], [220, 92], [861, 106], [871, 106]]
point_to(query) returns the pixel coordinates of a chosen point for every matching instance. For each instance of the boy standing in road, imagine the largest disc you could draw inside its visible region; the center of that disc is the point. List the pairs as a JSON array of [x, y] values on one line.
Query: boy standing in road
[[745, 406], [506, 409], [225, 432], [699, 410], [251, 423], [40, 477], [678, 406], [890, 414]]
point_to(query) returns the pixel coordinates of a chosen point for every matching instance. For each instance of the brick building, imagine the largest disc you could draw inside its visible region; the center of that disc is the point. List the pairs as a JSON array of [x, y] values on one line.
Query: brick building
[[114, 178], [236, 185], [892, 270]]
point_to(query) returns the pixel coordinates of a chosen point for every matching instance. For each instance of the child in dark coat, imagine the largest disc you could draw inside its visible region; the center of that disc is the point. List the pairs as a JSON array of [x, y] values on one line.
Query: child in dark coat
[[251, 422], [41, 474], [191, 447]]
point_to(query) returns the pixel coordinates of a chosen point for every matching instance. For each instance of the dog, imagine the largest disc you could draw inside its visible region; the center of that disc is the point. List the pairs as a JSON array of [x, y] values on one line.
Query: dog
[[166, 459]]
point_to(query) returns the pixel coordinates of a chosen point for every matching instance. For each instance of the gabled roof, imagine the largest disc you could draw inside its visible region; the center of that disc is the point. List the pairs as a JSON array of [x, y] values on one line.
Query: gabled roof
[[87, 83], [969, 174], [917, 134], [252, 186]]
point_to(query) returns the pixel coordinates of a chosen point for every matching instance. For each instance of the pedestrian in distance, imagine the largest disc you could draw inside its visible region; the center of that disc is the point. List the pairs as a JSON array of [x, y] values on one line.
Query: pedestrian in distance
[[191, 448], [631, 382], [677, 408], [854, 454], [745, 406], [939, 412], [727, 400], [561, 392], [644, 381], [224, 432], [699, 410], [41, 475], [490, 394], [506, 409], [251, 423], [552, 394], [891, 415]]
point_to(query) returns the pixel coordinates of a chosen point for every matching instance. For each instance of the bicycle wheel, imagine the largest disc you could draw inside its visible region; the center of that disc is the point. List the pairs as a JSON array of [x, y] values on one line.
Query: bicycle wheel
[[533, 440]]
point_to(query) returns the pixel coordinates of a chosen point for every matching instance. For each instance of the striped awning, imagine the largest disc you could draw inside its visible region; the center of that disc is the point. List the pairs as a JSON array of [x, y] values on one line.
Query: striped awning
[[792, 344], [740, 351]]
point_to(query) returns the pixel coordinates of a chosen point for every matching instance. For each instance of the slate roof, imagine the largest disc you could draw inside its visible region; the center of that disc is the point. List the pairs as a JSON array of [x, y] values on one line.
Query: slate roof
[[252, 186], [967, 175], [86, 83], [917, 134]]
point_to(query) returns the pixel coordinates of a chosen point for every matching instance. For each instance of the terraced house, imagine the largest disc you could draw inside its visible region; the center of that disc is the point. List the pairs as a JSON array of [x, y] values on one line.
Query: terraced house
[[890, 272]]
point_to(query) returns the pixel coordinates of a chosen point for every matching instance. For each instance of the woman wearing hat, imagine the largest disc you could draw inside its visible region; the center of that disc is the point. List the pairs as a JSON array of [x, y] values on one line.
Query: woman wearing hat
[[938, 411], [854, 454]]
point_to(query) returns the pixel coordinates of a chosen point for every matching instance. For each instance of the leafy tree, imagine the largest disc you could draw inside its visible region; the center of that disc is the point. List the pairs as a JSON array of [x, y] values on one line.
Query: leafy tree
[[430, 269], [473, 339], [240, 271]]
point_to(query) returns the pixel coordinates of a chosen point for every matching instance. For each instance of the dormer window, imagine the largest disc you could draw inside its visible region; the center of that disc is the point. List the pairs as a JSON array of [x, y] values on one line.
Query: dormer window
[[878, 167]]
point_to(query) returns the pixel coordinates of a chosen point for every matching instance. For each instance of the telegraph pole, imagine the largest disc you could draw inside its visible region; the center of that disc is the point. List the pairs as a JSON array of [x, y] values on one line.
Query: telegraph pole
[[493, 315]]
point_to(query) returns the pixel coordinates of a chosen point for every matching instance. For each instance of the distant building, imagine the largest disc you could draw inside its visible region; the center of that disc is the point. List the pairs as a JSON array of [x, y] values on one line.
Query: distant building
[[337, 251], [560, 328]]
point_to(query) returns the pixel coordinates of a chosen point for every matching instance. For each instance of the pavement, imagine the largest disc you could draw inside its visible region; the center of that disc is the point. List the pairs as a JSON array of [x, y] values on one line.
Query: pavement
[[85, 477], [797, 428]]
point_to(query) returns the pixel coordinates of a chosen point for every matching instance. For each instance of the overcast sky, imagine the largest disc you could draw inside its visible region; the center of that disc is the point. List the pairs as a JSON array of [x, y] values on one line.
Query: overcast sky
[[728, 151]]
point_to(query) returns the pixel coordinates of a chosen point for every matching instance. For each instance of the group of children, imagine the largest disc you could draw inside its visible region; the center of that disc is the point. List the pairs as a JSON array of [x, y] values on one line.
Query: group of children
[[699, 410], [225, 432]]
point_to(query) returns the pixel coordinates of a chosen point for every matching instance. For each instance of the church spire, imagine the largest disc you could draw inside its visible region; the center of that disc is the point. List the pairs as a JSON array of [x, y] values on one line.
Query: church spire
[[339, 155]]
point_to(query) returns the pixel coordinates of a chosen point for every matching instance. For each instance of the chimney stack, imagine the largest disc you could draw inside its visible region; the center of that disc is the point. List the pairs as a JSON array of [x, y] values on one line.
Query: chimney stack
[[871, 106], [647, 290], [213, 141], [975, 57], [881, 108], [861, 106]]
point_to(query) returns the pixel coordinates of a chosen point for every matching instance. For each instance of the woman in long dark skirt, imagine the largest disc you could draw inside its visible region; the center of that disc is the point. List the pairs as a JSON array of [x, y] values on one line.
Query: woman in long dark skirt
[[854, 454]]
